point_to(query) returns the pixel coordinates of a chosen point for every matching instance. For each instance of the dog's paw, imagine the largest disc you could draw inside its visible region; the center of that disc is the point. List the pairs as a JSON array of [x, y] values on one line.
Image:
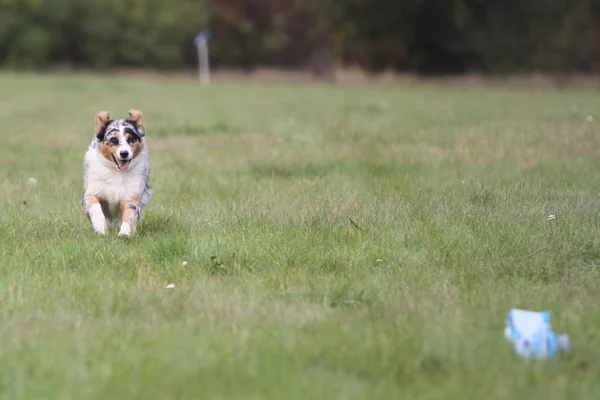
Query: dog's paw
[[125, 230], [100, 227], [98, 220]]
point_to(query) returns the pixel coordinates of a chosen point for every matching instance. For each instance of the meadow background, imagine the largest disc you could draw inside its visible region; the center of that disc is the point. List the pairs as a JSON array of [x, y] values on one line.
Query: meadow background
[[351, 242]]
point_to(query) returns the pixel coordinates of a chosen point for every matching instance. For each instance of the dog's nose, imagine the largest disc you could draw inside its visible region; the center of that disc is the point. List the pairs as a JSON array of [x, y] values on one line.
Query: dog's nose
[[124, 154]]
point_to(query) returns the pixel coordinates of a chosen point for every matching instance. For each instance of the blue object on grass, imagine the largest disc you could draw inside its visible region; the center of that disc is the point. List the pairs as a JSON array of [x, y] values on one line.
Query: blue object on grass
[[531, 334]]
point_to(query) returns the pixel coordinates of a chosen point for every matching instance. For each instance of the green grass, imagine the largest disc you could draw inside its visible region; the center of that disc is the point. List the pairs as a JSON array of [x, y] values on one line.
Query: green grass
[[341, 242]]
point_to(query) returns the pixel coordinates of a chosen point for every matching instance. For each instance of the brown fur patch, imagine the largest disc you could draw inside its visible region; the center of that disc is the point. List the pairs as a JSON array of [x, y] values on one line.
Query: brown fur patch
[[136, 147], [137, 117], [102, 119], [91, 200], [106, 152], [128, 213], [135, 199]]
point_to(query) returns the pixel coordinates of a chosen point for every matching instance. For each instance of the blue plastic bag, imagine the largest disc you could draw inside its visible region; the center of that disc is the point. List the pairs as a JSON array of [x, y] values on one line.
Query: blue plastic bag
[[531, 334]]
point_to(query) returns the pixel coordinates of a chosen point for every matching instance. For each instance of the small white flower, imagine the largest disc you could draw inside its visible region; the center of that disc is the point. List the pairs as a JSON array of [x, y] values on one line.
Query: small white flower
[[170, 286], [32, 181], [590, 119], [379, 260], [574, 108], [551, 217], [184, 263]]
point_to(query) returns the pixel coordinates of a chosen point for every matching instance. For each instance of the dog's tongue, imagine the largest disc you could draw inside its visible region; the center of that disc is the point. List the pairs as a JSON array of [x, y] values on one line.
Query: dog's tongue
[[123, 165]]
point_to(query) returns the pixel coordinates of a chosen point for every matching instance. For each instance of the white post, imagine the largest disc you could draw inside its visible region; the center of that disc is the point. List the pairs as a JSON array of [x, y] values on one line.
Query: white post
[[203, 59]]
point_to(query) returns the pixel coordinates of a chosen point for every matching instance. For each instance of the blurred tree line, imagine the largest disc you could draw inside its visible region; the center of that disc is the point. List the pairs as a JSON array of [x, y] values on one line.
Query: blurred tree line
[[425, 36]]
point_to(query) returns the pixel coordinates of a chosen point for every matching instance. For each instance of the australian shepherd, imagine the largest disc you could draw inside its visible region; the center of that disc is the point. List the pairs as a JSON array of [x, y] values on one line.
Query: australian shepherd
[[116, 173]]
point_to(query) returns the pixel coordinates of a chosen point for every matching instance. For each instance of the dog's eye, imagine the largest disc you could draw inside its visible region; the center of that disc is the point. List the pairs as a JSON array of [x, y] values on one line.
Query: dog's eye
[[130, 141], [114, 142]]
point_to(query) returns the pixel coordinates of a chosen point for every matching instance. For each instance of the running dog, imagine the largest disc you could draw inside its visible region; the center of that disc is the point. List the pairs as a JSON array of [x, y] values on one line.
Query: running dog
[[116, 173]]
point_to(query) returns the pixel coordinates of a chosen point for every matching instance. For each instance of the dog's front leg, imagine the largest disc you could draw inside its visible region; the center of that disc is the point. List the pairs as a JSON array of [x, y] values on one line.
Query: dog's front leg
[[130, 215], [94, 212]]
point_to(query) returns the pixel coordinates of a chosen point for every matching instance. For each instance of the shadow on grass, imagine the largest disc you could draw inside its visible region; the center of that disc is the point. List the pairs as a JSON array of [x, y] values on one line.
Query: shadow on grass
[[151, 224]]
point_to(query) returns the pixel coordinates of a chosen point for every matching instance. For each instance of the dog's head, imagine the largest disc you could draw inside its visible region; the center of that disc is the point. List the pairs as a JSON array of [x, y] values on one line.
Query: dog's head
[[120, 141]]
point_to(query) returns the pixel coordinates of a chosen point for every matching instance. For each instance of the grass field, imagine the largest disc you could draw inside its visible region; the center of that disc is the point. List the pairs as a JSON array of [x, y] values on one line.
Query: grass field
[[341, 242]]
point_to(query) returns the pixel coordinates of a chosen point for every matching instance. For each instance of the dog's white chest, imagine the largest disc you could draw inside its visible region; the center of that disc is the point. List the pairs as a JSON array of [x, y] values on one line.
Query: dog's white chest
[[112, 185], [114, 188]]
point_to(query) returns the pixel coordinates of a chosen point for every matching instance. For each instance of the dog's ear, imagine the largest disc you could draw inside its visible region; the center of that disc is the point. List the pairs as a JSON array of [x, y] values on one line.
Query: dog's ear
[[137, 118], [102, 120]]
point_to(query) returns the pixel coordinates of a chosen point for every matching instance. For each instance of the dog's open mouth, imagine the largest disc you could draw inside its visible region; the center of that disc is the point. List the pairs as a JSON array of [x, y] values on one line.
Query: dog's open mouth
[[122, 165]]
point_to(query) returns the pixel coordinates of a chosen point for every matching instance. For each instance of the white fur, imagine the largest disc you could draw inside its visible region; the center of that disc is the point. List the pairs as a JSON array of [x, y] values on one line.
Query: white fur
[[98, 219], [125, 229], [106, 181]]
